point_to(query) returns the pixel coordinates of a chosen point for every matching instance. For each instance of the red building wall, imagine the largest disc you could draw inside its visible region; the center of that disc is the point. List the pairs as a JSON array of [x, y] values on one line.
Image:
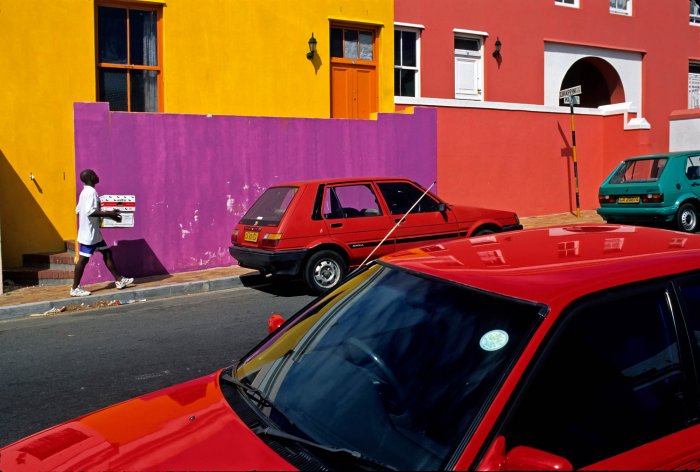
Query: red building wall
[[498, 162], [476, 145]]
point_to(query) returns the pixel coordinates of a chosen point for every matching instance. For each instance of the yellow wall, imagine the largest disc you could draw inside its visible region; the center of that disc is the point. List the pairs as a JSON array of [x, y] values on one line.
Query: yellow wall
[[46, 64], [248, 57], [231, 57]]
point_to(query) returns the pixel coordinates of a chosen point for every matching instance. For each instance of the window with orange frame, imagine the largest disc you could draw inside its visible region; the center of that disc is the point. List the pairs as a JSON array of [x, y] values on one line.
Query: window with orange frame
[[129, 56]]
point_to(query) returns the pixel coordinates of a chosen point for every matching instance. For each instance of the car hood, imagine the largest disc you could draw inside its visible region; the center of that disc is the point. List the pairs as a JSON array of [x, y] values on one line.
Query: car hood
[[189, 426]]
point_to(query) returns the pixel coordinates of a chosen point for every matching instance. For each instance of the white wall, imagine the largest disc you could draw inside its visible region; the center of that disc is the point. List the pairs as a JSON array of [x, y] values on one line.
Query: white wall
[[684, 135], [558, 59]]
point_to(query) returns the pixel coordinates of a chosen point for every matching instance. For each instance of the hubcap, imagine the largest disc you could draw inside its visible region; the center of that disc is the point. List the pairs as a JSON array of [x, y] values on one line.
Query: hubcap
[[688, 220], [326, 273]]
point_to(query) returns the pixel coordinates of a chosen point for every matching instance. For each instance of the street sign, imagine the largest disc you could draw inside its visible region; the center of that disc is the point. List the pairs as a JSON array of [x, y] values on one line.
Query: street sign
[[571, 98], [570, 91]]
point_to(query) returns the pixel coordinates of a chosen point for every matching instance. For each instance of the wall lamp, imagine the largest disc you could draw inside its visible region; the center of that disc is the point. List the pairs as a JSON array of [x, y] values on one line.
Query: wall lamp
[[497, 51], [312, 47]]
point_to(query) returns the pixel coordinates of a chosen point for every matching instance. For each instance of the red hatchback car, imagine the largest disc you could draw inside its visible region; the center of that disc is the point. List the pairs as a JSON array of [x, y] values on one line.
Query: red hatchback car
[[558, 348], [320, 229]]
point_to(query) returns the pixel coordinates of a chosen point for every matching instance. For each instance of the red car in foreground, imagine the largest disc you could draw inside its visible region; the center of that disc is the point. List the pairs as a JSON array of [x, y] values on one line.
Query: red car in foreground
[[319, 229], [557, 348]]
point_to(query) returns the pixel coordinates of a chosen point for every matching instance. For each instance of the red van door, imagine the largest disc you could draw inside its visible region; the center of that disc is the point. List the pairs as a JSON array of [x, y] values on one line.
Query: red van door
[[355, 218]]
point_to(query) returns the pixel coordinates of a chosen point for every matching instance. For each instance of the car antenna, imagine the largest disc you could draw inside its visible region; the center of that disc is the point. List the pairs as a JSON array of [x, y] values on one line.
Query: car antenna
[[396, 225]]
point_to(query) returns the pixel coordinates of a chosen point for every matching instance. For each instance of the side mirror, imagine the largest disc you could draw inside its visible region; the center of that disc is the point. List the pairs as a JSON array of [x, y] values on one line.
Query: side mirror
[[529, 458], [521, 458], [274, 322], [442, 207]]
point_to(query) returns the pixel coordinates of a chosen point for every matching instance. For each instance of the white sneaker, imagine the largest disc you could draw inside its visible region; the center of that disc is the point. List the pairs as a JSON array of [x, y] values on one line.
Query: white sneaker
[[123, 283], [79, 292]]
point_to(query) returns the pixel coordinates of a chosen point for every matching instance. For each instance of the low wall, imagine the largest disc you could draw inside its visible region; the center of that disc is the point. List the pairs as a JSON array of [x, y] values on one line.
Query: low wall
[[194, 176], [520, 156], [523, 161], [684, 130]]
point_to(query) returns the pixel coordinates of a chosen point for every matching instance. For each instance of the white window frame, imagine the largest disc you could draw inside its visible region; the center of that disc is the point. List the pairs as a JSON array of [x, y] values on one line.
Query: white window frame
[[567, 3], [476, 56], [418, 29], [622, 11], [695, 15], [693, 87]]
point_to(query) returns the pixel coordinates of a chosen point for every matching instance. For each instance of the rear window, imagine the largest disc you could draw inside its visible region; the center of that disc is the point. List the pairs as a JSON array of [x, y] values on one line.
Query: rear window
[[270, 207], [639, 170]]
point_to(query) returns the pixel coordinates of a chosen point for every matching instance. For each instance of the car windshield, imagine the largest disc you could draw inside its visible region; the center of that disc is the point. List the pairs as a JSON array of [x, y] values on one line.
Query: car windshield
[[639, 170], [395, 365], [269, 208]]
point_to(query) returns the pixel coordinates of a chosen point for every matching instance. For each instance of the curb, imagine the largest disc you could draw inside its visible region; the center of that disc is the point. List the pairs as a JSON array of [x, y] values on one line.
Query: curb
[[133, 293]]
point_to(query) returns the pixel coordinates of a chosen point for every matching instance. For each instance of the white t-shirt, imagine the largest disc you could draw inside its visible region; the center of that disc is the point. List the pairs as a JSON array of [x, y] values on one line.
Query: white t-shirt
[[88, 227]]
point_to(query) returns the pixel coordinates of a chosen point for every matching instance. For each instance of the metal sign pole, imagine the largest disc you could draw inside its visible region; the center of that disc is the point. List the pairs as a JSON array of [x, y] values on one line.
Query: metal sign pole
[[573, 145], [571, 96]]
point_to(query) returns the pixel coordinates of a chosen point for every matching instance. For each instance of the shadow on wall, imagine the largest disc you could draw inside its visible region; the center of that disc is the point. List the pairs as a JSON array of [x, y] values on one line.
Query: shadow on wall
[[25, 226], [135, 258], [567, 152]]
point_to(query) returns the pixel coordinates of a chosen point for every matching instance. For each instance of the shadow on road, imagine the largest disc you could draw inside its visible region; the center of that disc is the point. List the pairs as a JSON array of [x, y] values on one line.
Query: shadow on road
[[280, 286]]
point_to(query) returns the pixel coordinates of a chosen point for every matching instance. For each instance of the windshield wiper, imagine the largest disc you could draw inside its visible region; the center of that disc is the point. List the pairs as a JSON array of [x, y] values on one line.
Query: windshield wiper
[[262, 400], [257, 395], [254, 393], [358, 456]]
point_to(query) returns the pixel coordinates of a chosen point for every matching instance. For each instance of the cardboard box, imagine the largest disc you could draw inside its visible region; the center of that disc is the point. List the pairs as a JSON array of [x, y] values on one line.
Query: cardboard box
[[126, 204]]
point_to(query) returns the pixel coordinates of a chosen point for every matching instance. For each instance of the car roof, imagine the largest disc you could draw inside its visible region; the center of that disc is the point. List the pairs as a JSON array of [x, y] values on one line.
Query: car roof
[[337, 180], [668, 155], [557, 264]]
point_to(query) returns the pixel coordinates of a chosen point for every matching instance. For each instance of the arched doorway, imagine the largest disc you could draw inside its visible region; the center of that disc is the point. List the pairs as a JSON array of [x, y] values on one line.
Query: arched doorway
[[599, 81]]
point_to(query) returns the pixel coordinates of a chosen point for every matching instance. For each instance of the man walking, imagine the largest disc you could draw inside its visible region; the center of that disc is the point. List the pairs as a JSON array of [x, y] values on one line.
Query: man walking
[[89, 236]]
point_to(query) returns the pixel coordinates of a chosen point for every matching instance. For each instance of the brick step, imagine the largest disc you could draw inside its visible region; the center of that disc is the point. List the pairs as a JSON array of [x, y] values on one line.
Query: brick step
[[44, 268], [49, 260], [37, 276]]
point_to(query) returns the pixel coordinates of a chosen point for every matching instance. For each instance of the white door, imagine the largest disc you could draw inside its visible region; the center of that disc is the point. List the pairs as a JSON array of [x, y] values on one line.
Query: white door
[[467, 77], [468, 68]]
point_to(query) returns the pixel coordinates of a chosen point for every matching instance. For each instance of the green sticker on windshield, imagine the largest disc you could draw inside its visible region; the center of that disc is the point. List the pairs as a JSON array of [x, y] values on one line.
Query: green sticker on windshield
[[493, 340]]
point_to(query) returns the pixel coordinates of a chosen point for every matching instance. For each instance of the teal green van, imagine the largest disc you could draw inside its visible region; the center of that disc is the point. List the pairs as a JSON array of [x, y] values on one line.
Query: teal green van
[[656, 189]]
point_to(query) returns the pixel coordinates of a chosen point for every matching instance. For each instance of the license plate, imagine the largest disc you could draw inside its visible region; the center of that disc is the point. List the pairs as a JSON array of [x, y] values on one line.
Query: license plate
[[251, 236], [628, 200]]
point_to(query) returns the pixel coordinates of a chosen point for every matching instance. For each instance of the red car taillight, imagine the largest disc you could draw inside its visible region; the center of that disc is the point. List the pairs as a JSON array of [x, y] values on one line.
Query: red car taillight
[[234, 236], [606, 199], [653, 198], [271, 239]]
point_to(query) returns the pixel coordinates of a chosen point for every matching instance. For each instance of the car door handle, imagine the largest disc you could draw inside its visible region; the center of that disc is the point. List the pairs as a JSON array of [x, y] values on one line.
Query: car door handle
[[336, 225], [695, 184], [396, 220]]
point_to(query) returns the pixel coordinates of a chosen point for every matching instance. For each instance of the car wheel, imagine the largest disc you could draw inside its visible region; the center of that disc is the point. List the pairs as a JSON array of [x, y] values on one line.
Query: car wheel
[[687, 218], [323, 271], [483, 232]]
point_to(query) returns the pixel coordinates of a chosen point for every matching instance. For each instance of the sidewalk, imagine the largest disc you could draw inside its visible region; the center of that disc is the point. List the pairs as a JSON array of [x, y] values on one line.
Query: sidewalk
[[53, 299]]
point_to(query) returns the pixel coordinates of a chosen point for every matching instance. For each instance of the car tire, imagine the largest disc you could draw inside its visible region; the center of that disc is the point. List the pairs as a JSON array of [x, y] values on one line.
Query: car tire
[[687, 218], [483, 232], [323, 271]]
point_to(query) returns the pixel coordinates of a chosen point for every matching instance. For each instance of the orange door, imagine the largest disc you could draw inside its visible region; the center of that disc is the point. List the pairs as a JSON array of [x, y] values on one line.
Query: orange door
[[353, 72], [354, 91]]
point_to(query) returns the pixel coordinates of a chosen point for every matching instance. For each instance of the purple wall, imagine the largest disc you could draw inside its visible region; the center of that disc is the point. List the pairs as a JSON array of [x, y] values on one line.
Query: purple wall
[[194, 176]]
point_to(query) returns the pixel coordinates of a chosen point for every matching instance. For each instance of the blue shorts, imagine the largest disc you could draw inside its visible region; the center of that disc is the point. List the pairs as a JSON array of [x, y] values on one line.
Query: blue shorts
[[88, 250]]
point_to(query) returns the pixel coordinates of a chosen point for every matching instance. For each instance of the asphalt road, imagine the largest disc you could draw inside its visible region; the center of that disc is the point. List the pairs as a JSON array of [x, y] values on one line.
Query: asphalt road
[[53, 369]]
